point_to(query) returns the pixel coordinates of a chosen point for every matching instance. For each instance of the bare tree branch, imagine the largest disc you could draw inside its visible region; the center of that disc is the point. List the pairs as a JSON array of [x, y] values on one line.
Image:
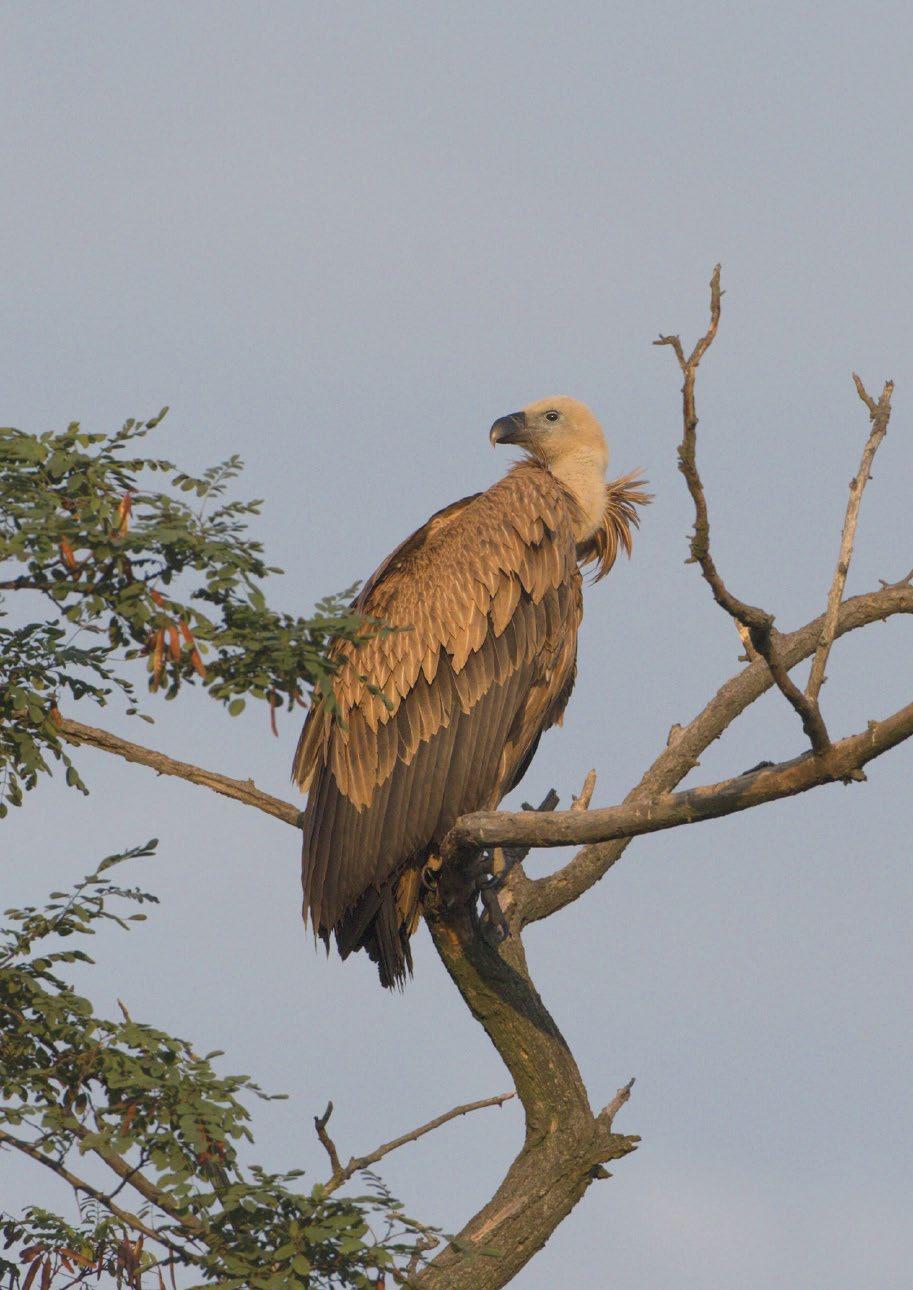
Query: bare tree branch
[[905, 581], [879, 416], [609, 1111], [242, 790], [757, 622], [582, 801], [543, 896], [329, 1146], [843, 761], [342, 1174]]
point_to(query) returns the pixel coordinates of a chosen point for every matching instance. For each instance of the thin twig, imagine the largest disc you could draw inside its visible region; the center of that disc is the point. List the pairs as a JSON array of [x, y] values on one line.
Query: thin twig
[[132, 1174], [609, 1111], [357, 1163], [426, 1241], [879, 416], [80, 1185], [905, 581], [320, 1124], [582, 801], [758, 622]]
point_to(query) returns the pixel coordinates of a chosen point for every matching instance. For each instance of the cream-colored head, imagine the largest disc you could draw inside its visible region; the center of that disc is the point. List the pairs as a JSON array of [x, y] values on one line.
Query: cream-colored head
[[563, 435], [553, 429]]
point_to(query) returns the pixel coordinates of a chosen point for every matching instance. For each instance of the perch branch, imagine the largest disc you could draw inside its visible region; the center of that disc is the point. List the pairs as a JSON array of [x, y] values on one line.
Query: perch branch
[[879, 416], [565, 1147], [757, 622], [543, 896], [843, 761]]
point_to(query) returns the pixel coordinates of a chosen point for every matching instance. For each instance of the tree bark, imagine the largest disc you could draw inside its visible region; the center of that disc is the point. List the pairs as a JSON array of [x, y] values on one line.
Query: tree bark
[[566, 1144]]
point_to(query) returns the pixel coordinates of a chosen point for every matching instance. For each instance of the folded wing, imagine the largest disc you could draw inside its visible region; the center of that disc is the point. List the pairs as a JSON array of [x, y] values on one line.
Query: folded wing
[[441, 715]]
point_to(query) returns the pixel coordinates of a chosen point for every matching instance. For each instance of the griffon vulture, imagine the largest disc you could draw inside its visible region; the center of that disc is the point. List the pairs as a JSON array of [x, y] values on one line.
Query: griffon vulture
[[444, 717]]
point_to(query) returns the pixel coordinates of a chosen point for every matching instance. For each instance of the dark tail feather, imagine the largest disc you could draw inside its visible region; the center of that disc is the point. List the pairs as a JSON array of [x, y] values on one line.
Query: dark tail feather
[[375, 925]]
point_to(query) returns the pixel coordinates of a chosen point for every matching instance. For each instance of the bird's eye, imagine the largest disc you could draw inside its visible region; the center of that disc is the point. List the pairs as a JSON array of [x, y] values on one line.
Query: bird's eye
[[552, 415]]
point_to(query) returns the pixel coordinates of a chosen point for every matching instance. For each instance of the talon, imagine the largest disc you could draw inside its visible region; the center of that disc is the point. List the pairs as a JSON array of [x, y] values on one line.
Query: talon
[[493, 924], [494, 935]]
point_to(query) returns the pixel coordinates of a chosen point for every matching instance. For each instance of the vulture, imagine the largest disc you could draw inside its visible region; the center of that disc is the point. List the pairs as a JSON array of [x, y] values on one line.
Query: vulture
[[442, 714]]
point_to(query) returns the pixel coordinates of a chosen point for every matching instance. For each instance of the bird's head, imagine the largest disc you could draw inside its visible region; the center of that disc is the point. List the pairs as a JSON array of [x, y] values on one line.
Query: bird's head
[[554, 431]]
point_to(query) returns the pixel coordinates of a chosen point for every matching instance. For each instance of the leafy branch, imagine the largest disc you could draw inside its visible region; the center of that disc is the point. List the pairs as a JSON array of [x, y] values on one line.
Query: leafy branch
[[165, 1126], [125, 570]]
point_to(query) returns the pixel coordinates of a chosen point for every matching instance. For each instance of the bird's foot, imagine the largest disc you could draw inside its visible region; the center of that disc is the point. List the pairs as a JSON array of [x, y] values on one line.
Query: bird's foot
[[431, 873], [493, 924], [491, 873]]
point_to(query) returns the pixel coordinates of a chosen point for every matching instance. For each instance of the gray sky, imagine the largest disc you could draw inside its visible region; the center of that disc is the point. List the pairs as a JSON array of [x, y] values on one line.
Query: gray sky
[[342, 239]]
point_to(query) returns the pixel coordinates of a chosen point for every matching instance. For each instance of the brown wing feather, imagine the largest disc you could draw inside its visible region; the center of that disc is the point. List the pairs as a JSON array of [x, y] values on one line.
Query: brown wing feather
[[437, 717]]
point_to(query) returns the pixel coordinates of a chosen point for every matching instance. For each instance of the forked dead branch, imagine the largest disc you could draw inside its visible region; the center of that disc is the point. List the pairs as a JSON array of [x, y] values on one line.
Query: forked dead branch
[[567, 1145], [879, 415]]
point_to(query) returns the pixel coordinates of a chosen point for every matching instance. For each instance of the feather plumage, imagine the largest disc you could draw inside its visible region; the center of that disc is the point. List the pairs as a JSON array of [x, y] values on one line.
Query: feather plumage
[[439, 713], [614, 534]]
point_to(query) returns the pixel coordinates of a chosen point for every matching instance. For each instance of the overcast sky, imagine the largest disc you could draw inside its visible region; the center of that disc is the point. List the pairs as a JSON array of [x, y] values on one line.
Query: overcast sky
[[340, 239]]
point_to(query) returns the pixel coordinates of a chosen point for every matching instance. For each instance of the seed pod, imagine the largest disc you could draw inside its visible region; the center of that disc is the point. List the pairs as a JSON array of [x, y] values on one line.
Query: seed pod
[[157, 653], [68, 554], [123, 513]]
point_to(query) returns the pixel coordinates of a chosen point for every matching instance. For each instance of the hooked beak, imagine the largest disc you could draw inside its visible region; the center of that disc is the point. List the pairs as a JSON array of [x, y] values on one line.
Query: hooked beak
[[509, 429]]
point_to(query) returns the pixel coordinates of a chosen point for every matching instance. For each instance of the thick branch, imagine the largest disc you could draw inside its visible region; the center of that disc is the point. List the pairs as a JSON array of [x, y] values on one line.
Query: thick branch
[[544, 896], [242, 790], [357, 1163], [879, 415], [566, 1145], [757, 622], [843, 761]]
